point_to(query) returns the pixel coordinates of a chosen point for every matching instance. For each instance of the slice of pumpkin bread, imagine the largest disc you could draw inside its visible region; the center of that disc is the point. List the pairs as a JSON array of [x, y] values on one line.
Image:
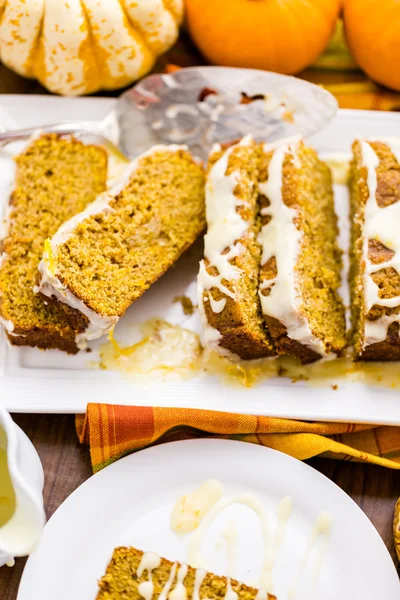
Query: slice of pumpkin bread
[[104, 259], [229, 274], [55, 179], [375, 249], [301, 261], [134, 575]]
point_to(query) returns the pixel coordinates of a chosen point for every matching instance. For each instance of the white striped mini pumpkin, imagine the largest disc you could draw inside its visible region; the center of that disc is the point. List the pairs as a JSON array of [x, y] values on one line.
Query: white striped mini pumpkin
[[78, 47]]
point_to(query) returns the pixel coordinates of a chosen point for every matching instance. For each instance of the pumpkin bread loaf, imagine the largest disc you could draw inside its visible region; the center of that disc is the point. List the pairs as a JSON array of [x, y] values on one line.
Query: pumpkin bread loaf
[[269, 281], [301, 261], [375, 249], [134, 575], [104, 259], [229, 274], [55, 179]]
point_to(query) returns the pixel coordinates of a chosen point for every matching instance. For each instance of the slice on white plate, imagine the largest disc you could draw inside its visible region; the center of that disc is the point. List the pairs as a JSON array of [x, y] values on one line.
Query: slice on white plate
[[130, 504]]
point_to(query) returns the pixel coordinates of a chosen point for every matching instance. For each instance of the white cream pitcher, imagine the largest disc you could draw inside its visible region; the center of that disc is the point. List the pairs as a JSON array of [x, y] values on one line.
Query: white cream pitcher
[[22, 515]]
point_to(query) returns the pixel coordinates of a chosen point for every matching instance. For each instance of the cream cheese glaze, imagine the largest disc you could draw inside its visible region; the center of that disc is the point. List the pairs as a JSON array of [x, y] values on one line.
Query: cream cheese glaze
[[229, 534], [195, 557], [189, 510], [273, 540], [382, 224], [179, 592], [151, 561], [50, 284], [7, 324], [281, 238], [225, 228], [322, 527]]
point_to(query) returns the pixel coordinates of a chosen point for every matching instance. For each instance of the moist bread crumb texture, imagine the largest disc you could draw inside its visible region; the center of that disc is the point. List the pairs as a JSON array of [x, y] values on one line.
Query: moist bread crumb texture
[[121, 580], [228, 286], [55, 179], [111, 258], [306, 318], [375, 249]]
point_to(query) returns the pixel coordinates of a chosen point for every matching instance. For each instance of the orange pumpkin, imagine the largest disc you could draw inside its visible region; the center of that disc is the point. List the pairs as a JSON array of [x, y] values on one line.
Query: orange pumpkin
[[277, 35], [373, 33]]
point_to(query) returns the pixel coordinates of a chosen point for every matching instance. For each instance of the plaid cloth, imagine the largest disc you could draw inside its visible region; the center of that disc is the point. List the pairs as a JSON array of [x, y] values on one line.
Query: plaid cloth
[[112, 431]]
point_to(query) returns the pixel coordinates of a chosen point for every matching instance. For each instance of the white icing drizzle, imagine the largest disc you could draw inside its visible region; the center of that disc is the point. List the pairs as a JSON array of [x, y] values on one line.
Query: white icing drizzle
[[194, 551], [149, 561], [284, 512], [217, 306], [209, 335], [7, 324], [225, 228], [229, 535], [50, 284], [179, 592], [281, 238], [198, 580], [320, 532], [190, 509], [165, 591], [382, 224], [322, 526], [146, 589]]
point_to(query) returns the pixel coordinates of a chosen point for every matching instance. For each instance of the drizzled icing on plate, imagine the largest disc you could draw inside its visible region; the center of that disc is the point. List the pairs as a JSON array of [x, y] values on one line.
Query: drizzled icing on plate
[[195, 557], [382, 224], [189, 510], [322, 527], [283, 300], [194, 513]]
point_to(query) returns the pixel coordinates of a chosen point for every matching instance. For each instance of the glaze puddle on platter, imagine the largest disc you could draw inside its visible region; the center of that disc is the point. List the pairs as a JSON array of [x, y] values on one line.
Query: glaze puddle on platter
[[167, 351]]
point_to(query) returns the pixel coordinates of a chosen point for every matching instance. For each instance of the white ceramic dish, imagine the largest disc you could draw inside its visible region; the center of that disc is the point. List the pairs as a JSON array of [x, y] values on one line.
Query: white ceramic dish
[[20, 533], [36, 381], [130, 502]]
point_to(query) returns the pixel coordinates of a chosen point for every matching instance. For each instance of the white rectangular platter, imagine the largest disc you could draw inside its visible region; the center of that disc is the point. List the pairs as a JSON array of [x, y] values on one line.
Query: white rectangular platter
[[35, 381]]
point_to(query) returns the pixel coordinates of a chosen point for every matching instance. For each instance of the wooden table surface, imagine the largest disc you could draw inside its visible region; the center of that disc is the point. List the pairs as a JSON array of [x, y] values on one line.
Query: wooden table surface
[[67, 464]]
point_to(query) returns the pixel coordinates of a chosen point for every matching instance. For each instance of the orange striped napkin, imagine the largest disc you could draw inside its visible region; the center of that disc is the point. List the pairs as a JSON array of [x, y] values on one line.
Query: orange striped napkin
[[113, 431]]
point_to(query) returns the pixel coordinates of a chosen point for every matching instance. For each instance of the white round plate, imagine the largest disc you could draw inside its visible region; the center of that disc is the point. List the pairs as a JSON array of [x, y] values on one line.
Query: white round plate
[[130, 502]]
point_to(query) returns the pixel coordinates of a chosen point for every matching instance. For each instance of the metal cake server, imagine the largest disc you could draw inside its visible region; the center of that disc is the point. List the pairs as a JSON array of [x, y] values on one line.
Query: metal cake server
[[199, 106]]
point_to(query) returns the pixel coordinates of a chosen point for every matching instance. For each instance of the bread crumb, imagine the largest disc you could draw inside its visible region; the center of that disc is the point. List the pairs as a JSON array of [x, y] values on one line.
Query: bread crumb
[[186, 303]]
